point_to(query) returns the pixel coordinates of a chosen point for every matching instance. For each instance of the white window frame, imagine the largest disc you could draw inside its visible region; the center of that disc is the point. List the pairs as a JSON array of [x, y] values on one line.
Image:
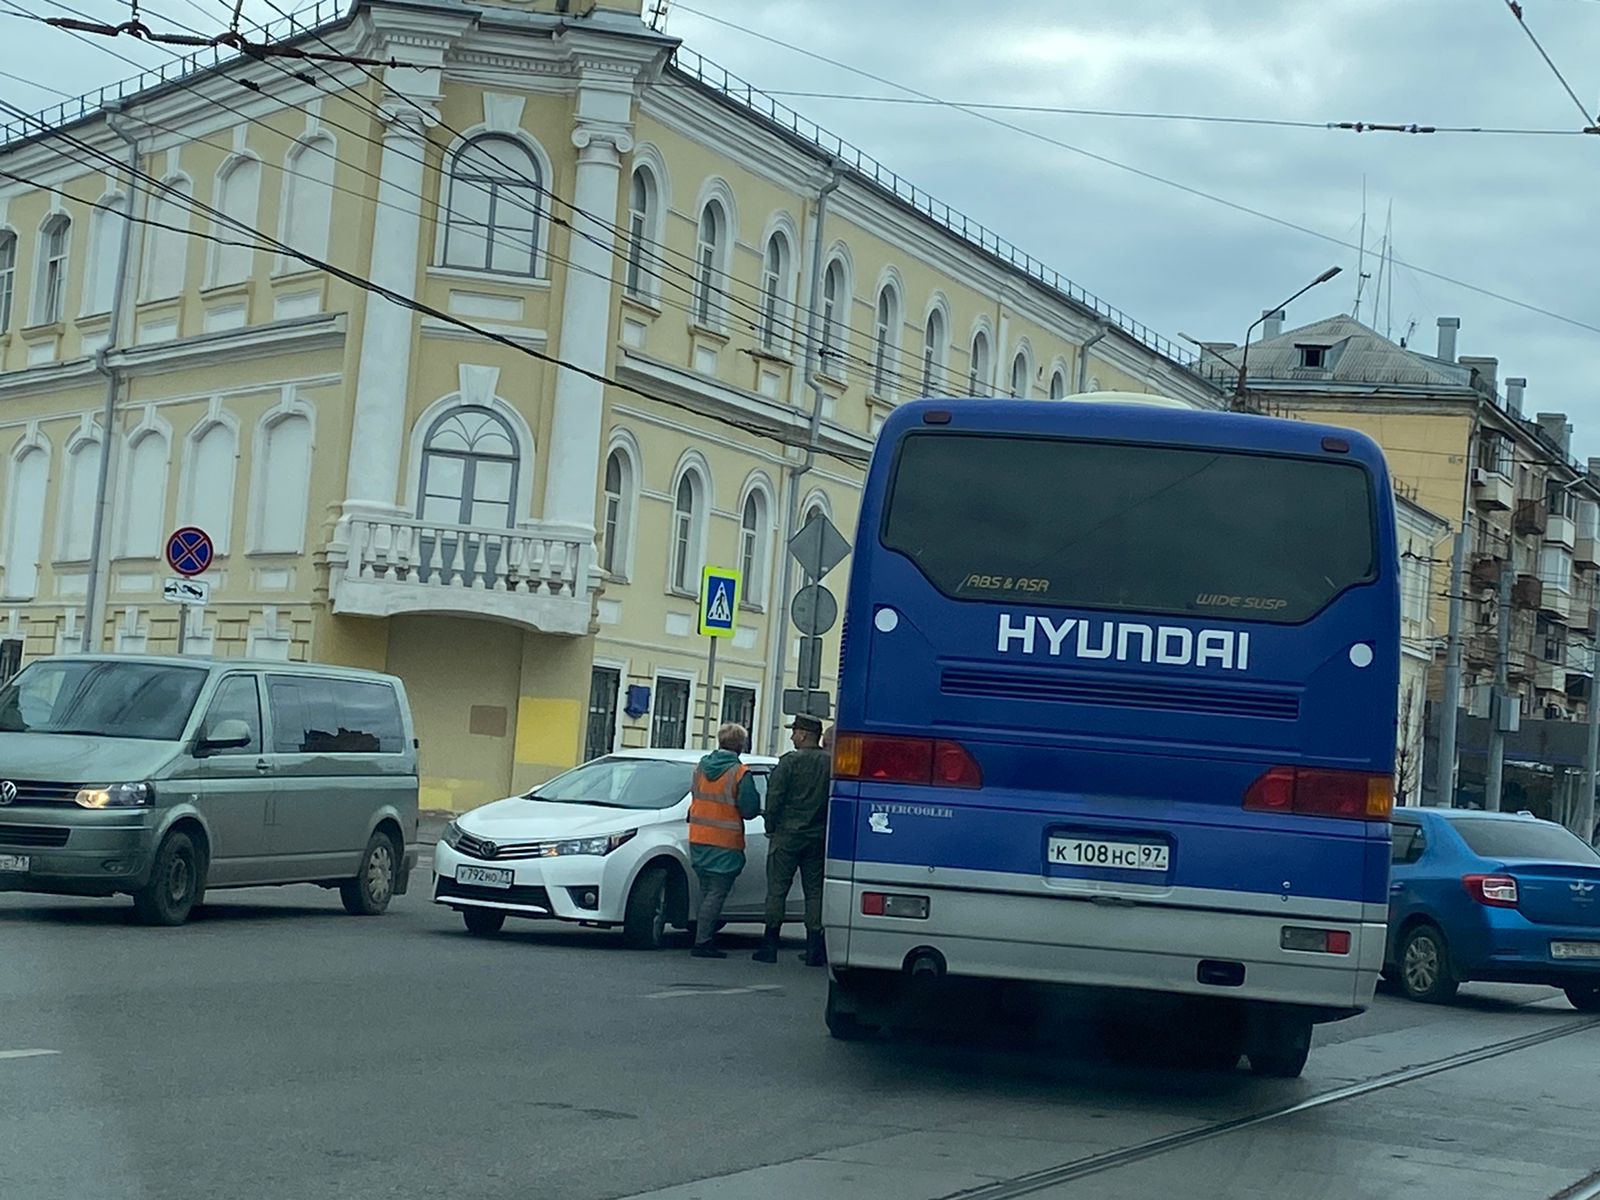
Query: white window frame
[[8, 277], [776, 324], [539, 184], [687, 582], [978, 381], [54, 271], [711, 248], [836, 298], [886, 342]]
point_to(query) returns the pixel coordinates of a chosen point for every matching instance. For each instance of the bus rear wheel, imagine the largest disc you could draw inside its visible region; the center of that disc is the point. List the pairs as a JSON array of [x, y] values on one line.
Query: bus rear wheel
[[842, 1017], [1280, 1048]]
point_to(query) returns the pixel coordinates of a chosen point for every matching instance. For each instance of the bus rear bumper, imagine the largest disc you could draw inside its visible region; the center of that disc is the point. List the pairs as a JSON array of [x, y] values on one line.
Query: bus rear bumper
[[1121, 946]]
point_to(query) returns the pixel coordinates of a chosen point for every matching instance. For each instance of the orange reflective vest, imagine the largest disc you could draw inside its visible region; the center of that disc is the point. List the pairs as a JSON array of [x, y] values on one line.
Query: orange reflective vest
[[714, 818]]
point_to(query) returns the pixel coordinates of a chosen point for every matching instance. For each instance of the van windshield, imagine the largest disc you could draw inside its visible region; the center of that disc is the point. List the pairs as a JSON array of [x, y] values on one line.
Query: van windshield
[[146, 701]]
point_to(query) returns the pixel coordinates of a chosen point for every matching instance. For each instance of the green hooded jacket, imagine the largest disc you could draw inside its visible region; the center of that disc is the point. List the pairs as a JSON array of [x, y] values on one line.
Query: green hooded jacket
[[714, 860]]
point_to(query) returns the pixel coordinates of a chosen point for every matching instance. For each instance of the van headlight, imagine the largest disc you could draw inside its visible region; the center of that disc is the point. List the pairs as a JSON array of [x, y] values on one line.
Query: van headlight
[[117, 795]]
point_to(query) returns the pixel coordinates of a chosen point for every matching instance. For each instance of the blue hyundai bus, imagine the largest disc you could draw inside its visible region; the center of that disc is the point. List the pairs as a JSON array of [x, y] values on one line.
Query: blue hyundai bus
[[1117, 711]]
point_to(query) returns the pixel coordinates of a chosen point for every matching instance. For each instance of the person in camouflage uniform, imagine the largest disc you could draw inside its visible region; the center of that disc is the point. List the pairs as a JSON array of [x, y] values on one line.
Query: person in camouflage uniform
[[796, 818]]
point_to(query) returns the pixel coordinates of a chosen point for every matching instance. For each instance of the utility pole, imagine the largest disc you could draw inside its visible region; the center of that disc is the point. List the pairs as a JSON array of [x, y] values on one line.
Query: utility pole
[[1498, 717], [1452, 671], [1591, 756]]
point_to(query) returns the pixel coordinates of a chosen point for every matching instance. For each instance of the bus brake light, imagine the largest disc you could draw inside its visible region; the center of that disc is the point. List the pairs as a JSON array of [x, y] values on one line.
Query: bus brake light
[[926, 761], [1313, 792]]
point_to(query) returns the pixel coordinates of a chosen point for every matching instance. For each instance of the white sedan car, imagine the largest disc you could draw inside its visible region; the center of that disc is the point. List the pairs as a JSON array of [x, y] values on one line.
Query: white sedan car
[[605, 844]]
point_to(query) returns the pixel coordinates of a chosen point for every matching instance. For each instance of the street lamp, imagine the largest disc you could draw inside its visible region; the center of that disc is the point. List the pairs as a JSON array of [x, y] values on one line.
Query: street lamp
[[1244, 359]]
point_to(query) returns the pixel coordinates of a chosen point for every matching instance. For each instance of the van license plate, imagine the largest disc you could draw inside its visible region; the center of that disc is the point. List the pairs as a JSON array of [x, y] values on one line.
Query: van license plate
[[1575, 949], [14, 862], [499, 877], [1114, 856]]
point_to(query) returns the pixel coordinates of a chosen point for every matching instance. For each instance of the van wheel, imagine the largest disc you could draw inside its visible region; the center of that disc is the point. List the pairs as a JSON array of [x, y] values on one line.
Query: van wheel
[[174, 886], [369, 893], [483, 921], [644, 925], [843, 1021]]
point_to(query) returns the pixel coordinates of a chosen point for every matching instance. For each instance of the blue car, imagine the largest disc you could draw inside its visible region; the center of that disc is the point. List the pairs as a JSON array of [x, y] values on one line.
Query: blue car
[[1494, 897]]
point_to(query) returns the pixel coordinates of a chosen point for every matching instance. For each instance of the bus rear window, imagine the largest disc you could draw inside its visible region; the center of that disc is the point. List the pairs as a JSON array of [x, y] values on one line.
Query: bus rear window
[[1142, 528]]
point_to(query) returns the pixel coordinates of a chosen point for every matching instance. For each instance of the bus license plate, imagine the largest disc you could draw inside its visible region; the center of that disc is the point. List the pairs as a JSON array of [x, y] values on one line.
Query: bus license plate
[[1575, 949], [1114, 856], [496, 877]]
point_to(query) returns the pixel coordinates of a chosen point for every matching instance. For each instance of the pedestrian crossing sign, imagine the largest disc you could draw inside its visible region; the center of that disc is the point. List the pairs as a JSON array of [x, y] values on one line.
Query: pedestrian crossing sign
[[719, 602]]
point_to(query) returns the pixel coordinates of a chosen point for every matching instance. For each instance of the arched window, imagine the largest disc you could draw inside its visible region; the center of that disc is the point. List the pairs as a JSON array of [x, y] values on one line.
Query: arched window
[[469, 469], [285, 466], [835, 318], [100, 264], [208, 488], [144, 496], [30, 474], [775, 293], [166, 241], [642, 193], [77, 500], [8, 276], [754, 523], [934, 345], [55, 243], [708, 263], [978, 377], [492, 207], [1021, 372], [1058, 385], [688, 531], [615, 520], [308, 197], [886, 341], [238, 197]]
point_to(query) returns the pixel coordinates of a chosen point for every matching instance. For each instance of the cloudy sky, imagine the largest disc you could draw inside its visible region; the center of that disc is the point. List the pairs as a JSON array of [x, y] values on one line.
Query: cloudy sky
[[1514, 215]]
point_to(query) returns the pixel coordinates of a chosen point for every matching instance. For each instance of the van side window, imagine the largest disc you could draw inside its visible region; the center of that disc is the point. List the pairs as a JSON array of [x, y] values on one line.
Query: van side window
[[236, 700], [333, 716]]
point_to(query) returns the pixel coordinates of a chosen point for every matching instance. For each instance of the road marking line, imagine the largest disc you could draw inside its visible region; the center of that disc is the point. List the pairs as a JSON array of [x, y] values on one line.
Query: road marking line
[[680, 992], [27, 1053]]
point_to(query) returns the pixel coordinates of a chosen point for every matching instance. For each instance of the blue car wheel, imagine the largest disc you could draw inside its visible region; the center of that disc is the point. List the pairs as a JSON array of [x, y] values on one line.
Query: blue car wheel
[[1424, 967]]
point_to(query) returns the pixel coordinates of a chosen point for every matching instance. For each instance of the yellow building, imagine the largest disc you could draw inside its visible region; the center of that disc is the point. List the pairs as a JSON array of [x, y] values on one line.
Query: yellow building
[[403, 478], [1459, 445]]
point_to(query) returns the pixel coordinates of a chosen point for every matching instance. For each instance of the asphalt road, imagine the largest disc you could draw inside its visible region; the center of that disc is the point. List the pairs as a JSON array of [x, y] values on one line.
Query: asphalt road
[[277, 1049]]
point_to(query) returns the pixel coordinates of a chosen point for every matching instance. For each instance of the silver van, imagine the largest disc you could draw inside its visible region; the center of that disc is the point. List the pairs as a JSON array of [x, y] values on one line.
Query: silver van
[[161, 777]]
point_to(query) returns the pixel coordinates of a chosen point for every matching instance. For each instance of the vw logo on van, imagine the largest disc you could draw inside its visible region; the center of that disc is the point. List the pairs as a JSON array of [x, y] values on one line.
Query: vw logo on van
[[8, 791]]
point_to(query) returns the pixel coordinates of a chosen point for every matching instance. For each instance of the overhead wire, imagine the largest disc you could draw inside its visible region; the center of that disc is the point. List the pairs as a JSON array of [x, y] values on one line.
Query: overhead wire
[[263, 241], [1152, 176], [1589, 119], [1408, 127]]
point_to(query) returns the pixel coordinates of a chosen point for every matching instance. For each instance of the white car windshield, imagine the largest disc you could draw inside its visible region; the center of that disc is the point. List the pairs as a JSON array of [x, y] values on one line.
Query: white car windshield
[[620, 783]]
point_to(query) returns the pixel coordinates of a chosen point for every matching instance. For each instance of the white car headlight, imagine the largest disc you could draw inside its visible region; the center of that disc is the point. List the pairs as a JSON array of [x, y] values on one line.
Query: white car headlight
[[451, 836], [592, 845], [117, 795]]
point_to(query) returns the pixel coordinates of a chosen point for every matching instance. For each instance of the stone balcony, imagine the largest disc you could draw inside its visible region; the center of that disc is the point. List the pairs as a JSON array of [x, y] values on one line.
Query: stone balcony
[[538, 576]]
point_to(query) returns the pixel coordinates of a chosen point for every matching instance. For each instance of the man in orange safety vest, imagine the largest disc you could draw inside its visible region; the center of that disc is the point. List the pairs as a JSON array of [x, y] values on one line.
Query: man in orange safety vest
[[723, 798]]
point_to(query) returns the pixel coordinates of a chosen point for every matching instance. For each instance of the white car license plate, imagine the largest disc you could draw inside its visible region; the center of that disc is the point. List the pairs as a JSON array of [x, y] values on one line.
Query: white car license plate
[[1575, 949], [1113, 856], [499, 877], [14, 862]]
